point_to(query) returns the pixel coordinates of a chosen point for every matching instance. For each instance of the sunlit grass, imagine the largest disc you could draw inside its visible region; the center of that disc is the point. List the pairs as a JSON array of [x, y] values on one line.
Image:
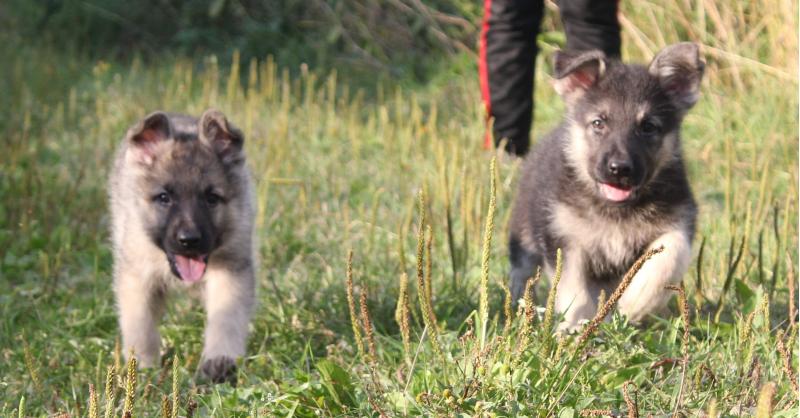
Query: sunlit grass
[[338, 169]]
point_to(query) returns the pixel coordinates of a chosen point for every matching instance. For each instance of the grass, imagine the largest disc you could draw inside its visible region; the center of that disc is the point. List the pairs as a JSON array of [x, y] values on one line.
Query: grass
[[339, 169]]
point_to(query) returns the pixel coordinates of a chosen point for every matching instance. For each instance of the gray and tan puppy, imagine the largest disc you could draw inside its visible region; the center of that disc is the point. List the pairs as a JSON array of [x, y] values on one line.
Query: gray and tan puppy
[[182, 210], [609, 183]]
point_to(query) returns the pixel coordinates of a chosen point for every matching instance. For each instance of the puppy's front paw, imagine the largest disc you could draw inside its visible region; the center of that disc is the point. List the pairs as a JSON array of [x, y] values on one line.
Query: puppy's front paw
[[219, 370]]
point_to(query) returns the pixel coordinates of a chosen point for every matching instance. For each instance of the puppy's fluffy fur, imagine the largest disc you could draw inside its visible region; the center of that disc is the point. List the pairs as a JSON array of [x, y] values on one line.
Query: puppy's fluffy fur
[[182, 212], [609, 183]]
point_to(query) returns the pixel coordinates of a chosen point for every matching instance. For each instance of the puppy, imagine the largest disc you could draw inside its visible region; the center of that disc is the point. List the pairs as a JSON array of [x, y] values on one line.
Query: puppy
[[182, 210], [609, 183]]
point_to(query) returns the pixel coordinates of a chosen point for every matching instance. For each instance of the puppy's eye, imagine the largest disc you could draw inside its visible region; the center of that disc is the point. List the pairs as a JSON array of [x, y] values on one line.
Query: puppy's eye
[[213, 199], [598, 124], [163, 199], [648, 128]]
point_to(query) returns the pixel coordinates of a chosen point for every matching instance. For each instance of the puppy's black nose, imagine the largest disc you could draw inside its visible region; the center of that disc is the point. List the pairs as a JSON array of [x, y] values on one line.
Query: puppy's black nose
[[619, 167], [189, 238]]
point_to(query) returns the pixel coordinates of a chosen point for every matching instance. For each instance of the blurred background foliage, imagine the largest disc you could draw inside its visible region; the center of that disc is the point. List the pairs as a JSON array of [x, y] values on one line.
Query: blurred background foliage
[[369, 41], [379, 37]]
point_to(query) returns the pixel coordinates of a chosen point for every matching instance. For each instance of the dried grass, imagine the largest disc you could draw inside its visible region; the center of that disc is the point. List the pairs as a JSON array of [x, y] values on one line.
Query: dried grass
[[351, 304], [615, 296]]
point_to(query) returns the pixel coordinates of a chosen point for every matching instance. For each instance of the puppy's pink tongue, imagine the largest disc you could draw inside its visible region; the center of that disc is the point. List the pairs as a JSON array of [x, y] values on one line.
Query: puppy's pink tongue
[[615, 194], [190, 268]]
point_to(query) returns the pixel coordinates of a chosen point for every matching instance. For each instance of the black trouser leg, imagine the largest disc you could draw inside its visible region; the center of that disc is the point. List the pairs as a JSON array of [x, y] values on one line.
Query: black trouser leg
[[508, 54], [507, 58], [591, 24]]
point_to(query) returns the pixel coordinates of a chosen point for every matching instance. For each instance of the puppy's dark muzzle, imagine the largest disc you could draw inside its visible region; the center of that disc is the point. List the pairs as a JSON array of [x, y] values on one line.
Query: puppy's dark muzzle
[[190, 242], [621, 173], [188, 253]]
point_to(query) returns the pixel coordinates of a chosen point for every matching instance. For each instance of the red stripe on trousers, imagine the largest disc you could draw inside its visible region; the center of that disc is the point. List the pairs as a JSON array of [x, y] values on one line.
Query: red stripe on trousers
[[483, 71]]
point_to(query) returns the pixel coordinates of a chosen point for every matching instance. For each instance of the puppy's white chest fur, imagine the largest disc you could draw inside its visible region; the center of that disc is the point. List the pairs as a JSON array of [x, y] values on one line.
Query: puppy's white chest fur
[[597, 236]]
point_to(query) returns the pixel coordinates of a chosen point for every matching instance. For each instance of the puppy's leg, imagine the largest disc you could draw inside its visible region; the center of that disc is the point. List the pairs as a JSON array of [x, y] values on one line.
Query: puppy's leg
[[523, 266], [229, 298], [646, 292], [576, 297], [140, 305]]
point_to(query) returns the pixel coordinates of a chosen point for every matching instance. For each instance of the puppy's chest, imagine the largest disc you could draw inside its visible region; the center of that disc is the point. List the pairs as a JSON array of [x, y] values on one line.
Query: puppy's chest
[[606, 245]]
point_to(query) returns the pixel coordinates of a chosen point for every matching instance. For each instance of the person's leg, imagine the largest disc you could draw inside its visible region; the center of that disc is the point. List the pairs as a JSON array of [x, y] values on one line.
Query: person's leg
[[591, 24], [506, 65]]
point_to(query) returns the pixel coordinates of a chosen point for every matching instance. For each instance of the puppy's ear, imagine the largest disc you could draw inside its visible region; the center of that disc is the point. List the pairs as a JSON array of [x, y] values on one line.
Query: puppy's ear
[[576, 72], [145, 137], [679, 69], [221, 136]]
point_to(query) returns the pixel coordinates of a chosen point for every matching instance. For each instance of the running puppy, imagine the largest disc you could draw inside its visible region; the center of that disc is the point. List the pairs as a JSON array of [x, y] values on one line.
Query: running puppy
[[182, 217], [610, 183]]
